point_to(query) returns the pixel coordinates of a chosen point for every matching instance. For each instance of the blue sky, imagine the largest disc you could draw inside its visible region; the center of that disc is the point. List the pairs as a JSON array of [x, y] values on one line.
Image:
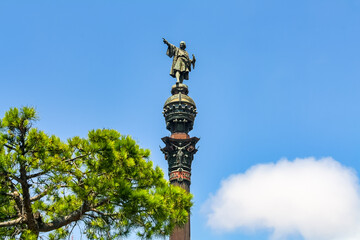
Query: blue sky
[[273, 79]]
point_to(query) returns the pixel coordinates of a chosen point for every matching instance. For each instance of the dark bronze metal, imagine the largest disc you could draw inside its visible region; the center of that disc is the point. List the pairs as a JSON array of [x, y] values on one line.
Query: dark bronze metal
[[180, 112], [181, 65], [179, 153]]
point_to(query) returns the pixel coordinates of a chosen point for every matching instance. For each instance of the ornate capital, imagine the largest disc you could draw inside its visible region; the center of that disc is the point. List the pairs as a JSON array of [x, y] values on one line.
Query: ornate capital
[[179, 153]]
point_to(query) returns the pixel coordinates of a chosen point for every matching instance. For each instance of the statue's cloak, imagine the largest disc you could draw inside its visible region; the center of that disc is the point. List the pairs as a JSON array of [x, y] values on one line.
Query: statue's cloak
[[181, 61]]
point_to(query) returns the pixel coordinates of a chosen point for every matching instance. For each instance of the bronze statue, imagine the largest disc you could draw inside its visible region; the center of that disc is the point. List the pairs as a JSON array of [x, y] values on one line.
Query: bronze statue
[[180, 153], [181, 65]]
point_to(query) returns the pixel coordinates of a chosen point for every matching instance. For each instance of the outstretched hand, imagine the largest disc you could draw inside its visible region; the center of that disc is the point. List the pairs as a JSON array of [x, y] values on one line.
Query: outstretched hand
[[165, 41]]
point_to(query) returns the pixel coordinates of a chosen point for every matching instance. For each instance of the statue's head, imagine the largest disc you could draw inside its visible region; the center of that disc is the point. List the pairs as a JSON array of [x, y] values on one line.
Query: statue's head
[[182, 45]]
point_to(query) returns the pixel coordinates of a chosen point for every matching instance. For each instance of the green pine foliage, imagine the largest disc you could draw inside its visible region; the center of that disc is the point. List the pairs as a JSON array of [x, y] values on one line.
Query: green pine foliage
[[104, 182]]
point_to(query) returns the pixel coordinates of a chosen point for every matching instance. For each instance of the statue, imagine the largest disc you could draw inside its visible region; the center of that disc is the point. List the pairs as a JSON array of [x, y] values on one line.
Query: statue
[[180, 153], [181, 65]]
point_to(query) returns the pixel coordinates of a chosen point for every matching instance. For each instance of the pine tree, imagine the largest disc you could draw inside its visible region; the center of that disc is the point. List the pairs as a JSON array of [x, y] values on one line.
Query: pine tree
[[104, 182]]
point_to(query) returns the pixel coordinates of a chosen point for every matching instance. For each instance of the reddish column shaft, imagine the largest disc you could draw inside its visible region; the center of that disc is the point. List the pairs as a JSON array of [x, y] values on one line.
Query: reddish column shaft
[[184, 232]]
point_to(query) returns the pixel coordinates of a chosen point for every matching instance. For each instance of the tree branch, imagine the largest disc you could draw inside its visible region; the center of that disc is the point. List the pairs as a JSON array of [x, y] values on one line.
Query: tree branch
[[40, 195], [72, 217], [18, 200], [100, 203], [44, 172], [8, 175], [36, 174], [62, 221], [10, 147], [72, 159], [15, 195], [19, 180], [11, 223], [104, 214]]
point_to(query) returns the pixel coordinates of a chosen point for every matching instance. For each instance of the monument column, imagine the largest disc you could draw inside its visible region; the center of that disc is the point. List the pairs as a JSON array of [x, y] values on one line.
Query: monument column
[[180, 112]]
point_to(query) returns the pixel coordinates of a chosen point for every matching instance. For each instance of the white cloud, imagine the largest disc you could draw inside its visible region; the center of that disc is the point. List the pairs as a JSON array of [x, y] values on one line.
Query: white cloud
[[318, 199]]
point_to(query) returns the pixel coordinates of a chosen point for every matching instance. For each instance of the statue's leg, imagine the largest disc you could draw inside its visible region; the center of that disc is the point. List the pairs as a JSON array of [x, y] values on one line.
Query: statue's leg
[[177, 75], [181, 78]]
